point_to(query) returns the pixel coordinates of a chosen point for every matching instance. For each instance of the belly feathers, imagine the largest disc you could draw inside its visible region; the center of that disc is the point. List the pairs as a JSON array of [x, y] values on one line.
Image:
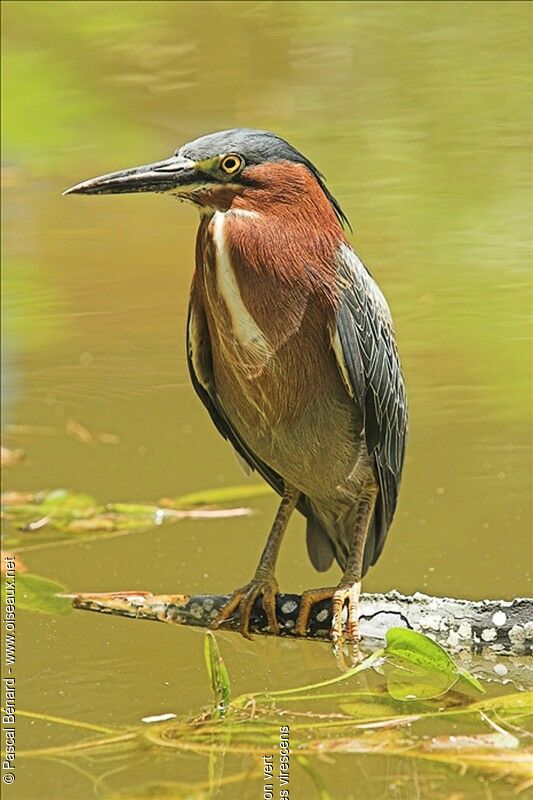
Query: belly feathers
[[276, 373]]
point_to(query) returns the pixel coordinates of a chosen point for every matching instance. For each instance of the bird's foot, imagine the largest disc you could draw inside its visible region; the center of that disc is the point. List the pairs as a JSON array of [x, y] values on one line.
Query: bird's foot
[[242, 601], [308, 600], [340, 634]]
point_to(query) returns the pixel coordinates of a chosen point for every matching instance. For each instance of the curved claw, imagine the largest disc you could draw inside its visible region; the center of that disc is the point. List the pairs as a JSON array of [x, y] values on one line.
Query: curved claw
[[339, 595], [243, 600]]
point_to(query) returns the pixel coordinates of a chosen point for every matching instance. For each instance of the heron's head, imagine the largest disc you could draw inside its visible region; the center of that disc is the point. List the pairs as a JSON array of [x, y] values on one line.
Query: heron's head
[[239, 166]]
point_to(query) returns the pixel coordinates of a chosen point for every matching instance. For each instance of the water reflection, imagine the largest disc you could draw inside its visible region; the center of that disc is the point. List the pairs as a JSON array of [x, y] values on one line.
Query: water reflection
[[419, 116]]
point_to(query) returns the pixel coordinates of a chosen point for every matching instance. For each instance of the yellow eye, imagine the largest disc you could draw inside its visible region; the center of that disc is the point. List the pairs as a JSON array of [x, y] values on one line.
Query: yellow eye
[[231, 164]]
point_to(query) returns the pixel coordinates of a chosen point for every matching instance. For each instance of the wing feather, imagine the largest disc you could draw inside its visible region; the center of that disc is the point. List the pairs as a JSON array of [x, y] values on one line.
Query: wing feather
[[370, 357]]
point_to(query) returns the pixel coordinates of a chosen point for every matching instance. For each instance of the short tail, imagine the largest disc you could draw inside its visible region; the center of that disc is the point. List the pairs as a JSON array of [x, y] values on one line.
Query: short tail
[[324, 548], [319, 545]]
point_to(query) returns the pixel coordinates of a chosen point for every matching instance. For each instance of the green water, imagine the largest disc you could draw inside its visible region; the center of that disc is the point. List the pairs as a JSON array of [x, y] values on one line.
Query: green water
[[419, 115]]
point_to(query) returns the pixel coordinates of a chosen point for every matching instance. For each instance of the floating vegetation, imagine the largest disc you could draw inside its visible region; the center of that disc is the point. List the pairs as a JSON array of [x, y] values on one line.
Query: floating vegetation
[[60, 514], [421, 706], [35, 593], [420, 669], [223, 495], [218, 675], [488, 738]]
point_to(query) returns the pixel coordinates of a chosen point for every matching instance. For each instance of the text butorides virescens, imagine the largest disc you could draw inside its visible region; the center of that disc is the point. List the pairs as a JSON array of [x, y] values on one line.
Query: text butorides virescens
[[292, 351]]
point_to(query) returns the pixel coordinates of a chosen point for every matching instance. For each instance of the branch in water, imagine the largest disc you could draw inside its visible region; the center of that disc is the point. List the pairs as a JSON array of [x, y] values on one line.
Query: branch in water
[[502, 627]]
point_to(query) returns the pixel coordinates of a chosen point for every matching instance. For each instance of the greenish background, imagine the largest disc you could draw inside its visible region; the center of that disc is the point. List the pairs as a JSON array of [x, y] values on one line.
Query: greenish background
[[419, 115]]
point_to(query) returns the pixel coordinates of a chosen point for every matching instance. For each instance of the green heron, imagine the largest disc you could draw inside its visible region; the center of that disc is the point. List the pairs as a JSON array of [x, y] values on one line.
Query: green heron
[[291, 349]]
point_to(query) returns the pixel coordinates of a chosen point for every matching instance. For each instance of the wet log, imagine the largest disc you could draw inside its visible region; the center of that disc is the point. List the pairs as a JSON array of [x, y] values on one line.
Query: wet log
[[499, 627]]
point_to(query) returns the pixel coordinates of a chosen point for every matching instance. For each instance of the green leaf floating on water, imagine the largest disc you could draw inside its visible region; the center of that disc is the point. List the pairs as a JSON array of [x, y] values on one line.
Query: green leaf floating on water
[[33, 593], [69, 501], [218, 674], [223, 495], [418, 668]]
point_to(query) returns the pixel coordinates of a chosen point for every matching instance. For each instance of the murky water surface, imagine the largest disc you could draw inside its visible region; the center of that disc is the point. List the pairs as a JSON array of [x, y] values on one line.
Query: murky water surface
[[418, 114]]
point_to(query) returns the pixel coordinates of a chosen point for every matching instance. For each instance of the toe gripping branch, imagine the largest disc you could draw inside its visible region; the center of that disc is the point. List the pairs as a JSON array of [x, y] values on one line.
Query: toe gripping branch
[[502, 627]]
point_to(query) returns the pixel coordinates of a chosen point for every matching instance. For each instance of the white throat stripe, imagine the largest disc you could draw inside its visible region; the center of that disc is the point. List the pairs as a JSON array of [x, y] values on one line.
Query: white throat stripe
[[245, 328]]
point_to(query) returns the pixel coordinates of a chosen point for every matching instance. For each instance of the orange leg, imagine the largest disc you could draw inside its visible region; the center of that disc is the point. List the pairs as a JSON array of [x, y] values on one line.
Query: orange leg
[[264, 581], [349, 589]]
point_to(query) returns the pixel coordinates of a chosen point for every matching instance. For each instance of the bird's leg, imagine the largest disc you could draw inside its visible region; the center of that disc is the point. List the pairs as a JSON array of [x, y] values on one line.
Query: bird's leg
[[264, 581], [349, 588]]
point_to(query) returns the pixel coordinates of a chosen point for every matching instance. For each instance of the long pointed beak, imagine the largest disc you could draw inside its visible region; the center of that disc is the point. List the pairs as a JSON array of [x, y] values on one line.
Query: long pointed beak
[[175, 172]]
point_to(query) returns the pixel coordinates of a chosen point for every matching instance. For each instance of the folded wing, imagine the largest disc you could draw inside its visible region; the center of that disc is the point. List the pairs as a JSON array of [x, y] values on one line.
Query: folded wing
[[366, 352]]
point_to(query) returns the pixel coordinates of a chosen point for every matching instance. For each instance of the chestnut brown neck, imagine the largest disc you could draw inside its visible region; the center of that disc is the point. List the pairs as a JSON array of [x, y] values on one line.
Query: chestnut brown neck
[[280, 237], [280, 190]]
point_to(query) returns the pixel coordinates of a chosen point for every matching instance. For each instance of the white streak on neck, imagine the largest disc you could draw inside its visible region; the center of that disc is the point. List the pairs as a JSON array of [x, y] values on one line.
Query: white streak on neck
[[245, 328], [243, 212]]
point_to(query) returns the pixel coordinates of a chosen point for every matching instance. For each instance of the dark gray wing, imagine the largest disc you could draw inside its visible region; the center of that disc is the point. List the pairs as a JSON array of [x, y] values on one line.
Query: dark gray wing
[[372, 366], [201, 371]]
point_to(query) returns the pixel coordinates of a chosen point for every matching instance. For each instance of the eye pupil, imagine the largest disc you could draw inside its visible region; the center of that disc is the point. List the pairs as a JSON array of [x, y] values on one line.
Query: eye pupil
[[231, 164]]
